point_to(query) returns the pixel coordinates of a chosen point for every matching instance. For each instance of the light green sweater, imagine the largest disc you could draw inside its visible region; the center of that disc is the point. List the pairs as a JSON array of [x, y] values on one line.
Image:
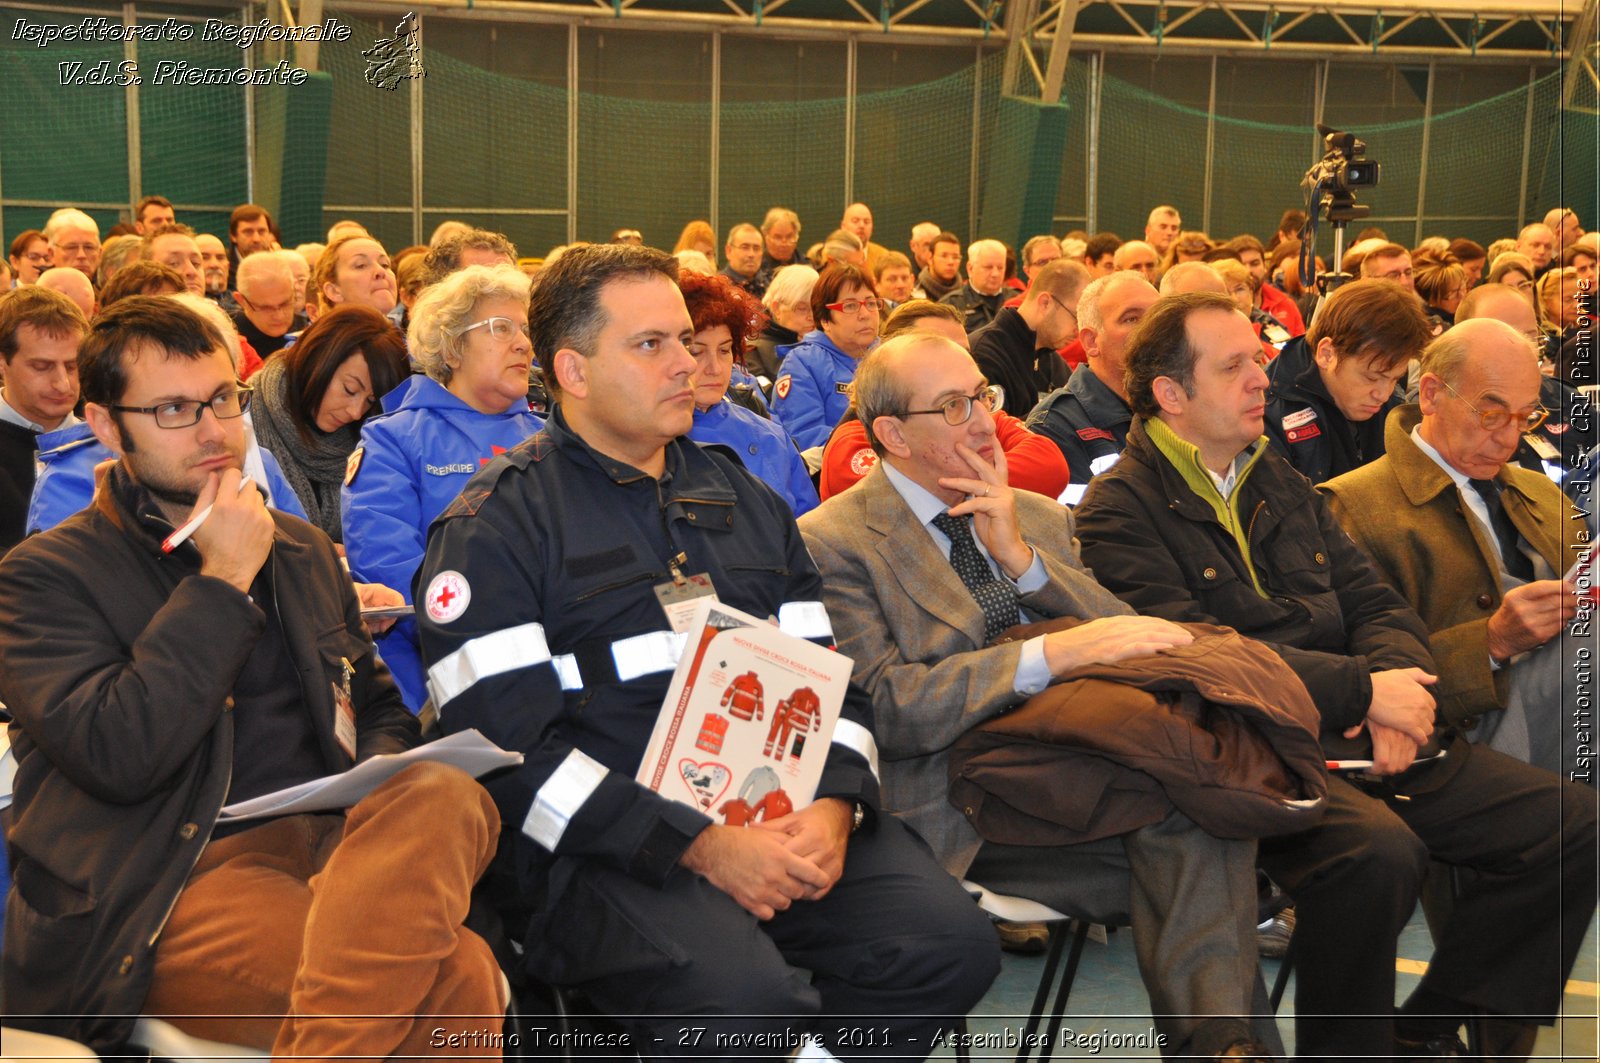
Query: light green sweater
[[1185, 457]]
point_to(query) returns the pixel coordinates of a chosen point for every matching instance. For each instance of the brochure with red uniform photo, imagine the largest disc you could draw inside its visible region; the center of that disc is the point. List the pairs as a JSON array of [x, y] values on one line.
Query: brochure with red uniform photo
[[747, 721]]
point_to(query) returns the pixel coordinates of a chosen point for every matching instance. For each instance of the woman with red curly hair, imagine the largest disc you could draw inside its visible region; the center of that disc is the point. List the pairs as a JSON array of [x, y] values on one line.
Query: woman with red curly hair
[[725, 318]]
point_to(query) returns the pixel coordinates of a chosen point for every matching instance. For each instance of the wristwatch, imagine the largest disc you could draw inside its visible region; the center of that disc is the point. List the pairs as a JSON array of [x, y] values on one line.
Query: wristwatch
[[858, 816]]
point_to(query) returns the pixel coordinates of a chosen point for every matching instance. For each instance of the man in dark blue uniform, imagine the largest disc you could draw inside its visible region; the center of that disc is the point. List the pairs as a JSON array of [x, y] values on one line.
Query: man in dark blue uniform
[[542, 628], [1332, 389], [1088, 419]]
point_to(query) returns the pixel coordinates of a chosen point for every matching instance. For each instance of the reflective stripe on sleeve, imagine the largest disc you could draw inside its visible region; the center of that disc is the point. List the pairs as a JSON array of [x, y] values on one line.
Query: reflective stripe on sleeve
[[805, 620], [852, 735], [567, 671], [489, 655], [559, 799], [654, 651]]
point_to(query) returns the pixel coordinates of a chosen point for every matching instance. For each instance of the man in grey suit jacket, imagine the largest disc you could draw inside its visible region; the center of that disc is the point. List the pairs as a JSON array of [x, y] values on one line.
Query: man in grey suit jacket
[[916, 598]]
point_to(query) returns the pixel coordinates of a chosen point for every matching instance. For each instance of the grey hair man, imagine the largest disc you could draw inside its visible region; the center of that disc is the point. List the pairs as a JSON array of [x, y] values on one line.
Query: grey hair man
[[921, 245], [267, 312], [74, 240], [1089, 418], [985, 291], [1161, 228], [1559, 445], [1454, 524]]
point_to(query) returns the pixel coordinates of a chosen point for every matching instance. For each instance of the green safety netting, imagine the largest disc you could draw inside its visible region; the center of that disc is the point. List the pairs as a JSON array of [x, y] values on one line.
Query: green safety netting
[[934, 138]]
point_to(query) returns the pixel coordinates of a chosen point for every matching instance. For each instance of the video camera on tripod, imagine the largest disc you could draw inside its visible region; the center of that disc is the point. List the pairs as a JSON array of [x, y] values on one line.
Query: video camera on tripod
[[1330, 191]]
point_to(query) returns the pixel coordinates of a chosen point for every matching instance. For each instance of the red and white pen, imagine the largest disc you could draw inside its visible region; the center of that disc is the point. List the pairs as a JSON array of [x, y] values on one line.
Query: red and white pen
[[192, 525]]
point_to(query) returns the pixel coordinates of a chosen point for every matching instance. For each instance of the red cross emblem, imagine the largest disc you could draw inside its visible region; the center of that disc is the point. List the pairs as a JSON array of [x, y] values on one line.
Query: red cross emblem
[[447, 597]]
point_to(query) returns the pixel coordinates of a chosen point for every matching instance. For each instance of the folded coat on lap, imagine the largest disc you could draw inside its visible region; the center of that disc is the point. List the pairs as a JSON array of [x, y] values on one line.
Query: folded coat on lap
[[1222, 729]]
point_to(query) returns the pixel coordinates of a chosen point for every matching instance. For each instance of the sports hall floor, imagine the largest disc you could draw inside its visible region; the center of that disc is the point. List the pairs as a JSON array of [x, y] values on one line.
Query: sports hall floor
[[1108, 996]]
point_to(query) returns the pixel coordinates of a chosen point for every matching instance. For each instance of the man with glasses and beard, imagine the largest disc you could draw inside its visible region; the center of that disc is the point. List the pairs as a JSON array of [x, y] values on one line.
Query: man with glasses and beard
[[151, 683], [1017, 350]]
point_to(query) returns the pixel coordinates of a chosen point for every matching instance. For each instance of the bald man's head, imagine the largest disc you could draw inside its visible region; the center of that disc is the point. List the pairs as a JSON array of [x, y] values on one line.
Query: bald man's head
[[1192, 277], [857, 219], [1479, 385], [71, 283]]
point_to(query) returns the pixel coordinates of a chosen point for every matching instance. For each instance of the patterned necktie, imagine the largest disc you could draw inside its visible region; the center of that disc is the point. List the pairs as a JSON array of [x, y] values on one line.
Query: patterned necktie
[[997, 597], [1511, 556]]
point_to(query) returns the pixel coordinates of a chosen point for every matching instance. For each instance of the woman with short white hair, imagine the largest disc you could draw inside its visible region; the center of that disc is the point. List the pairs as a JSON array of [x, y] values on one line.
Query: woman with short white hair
[[469, 335], [788, 305]]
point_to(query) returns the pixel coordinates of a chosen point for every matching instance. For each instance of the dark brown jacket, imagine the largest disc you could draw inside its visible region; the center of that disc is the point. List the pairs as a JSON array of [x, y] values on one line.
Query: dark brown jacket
[[1221, 729], [117, 663]]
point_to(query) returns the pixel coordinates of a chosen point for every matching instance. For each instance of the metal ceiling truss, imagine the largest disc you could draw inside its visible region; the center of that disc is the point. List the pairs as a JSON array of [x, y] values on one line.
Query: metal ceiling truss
[[1440, 29], [1580, 89], [961, 19], [1433, 31], [1517, 30]]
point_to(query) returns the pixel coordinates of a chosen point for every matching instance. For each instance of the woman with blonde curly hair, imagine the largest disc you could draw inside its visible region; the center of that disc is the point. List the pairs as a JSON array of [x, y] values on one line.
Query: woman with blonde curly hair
[[469, 335]]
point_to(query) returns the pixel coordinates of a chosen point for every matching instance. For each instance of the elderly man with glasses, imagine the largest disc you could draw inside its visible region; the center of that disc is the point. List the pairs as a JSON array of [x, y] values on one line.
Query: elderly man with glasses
[[924, 563], [74, 240], [1557, 447], [267, 314], [1478, 545]]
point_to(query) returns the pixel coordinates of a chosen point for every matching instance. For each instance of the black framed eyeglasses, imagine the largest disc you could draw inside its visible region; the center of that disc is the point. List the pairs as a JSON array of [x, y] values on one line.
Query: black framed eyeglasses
[[1494, 420], [187, 413], [958, 411]]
